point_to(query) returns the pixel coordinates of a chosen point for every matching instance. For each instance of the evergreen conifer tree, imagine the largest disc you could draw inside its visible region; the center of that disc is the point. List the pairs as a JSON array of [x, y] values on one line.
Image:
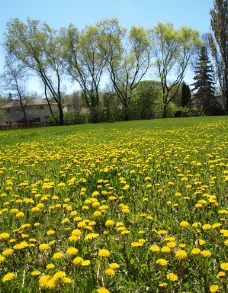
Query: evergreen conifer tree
[[185, 95], [204, 85]]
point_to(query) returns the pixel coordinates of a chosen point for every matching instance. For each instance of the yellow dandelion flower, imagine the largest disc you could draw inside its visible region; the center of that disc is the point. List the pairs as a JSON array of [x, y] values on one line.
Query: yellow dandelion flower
[[76, 232], [181, 254], [20, 215], [161, 262], [77, 260], [57, 255], [172, 277], [7, 252], [97, 214], [170, 238], [214, 288], [73, 213], [155, 248], [40, 205], [35, 210], [206, 227], [119, 224], [81, 224], [109, 223], [35, 273], [200, 242], [85, 263], [114, 265], [184, 224], [50, 232], [195, 251], [224, 266], [8, 277], [216, 225], [44, 247], [4, 236], [165, 249], [72, 251], [61, 184], [14, 211], [109, 272], [21, 245], [125, 231], [50, 266], [66, 280], [220, 274], [196, 224], [65, 220], [161, 232], [171, 244], [2, 258], [136, 244], [51, 283], [126, 187], [91, 236], [73, 238], [59, 275], [36, 224], [205, 253], [103, 253]]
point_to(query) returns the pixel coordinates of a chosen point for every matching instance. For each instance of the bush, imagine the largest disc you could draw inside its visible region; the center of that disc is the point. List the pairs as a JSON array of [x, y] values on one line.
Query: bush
[[75, 117], [70, 118]]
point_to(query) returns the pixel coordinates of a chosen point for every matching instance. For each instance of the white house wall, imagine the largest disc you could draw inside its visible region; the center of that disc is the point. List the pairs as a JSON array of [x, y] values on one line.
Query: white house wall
[[12, 115]]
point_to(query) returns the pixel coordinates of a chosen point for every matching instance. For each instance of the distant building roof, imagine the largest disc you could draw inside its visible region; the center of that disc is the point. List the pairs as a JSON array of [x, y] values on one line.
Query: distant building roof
[[27, 102]]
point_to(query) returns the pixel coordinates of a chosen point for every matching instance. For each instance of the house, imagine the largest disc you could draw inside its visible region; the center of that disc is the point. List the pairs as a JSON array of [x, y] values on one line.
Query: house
[[37, 110]]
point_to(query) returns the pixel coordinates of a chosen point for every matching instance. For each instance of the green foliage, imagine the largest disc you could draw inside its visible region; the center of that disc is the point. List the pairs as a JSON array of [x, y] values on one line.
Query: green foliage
[[204, 97], [127, 58], [218, 41], [146, 93], [37, 48], [84, 62], [186, 95], [75, 117], [70, 118], [173, 50]]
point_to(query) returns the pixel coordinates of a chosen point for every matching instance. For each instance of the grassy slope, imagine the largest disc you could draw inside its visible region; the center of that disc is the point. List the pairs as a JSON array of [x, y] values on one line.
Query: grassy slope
[[105, 131]]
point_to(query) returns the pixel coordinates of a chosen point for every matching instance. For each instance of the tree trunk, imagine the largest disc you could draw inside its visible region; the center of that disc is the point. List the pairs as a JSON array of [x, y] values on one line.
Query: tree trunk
[[25, 117], [61, 121], [164, 115], [126, 113], [226, 91]]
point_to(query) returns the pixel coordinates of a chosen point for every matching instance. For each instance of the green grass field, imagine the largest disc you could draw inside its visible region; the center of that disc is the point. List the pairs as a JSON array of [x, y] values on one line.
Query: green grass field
[[138, 206]]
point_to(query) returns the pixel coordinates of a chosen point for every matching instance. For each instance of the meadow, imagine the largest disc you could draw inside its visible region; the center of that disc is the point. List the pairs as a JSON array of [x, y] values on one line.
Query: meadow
[[138, 206]]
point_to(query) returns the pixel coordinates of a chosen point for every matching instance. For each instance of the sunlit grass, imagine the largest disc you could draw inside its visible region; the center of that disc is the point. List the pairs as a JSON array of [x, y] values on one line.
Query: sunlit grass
[[120, 207]]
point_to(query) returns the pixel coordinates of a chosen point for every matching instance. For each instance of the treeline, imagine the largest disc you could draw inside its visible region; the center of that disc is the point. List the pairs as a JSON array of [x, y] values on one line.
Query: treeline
[[103, 49], [107, 49]]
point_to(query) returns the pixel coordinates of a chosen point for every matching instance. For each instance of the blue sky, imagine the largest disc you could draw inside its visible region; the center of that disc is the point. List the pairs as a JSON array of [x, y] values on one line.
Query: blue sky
[[146, 13]]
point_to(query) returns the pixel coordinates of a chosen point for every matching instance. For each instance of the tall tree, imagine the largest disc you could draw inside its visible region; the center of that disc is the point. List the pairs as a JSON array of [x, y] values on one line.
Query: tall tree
[[38, 47], [204, 83], [147, 94], [127, 57], [219, 44], [14, 78], [84, 62], [185, 94], [172, 52]]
